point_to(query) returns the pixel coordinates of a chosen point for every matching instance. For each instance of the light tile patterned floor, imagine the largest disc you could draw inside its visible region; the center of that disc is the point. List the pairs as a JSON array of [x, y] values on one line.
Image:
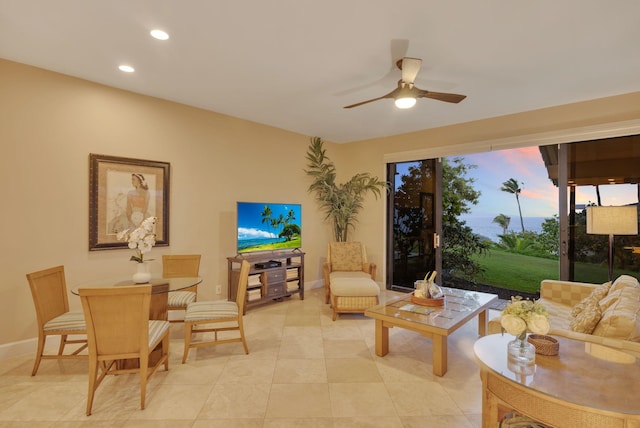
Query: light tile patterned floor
[[302, 370]]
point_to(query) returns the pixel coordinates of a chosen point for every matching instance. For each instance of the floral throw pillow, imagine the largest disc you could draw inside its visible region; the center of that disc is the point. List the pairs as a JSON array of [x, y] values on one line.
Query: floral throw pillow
[[587, 320], [597, 294]]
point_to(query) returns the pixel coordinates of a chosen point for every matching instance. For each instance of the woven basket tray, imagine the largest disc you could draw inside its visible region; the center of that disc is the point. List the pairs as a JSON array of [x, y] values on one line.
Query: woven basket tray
[[545, 345], [427, 302]]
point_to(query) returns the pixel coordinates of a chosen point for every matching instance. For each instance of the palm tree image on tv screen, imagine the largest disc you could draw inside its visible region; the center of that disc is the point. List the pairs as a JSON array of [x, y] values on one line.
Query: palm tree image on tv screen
[[268, 226]]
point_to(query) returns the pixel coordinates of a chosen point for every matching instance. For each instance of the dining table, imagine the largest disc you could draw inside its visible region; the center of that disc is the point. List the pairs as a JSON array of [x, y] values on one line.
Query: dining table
[[158, 308], [160, 289]]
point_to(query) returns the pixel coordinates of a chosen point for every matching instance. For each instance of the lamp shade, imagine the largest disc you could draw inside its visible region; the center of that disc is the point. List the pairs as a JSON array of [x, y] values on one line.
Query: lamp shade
[[612, 220]]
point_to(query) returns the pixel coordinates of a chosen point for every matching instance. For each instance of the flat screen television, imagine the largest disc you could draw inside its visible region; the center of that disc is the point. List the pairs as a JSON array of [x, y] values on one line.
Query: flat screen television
[[264, 226]]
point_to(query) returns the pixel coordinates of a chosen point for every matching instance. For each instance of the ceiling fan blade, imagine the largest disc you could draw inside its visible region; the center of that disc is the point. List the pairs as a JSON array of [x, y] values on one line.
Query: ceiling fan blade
[[389, 95], [410, 68], [441, 96]]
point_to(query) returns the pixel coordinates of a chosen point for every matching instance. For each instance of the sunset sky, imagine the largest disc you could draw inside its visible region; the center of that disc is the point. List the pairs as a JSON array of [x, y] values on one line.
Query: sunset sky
[[539, 197]]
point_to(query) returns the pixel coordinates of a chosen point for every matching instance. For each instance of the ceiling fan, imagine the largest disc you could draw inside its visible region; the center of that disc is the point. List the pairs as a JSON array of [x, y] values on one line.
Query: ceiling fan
[[406, 93]]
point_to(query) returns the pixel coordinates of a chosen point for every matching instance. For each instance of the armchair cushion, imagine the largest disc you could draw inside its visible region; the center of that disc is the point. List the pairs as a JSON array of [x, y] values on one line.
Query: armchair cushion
[[346, 256]]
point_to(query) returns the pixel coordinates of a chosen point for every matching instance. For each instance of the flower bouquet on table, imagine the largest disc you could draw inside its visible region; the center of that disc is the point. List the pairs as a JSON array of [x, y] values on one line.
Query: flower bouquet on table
[[522, 315], [519, 317], [140, 239]]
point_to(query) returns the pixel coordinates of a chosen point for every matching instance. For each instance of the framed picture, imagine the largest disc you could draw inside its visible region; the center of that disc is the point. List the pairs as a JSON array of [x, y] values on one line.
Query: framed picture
[[122, 193]]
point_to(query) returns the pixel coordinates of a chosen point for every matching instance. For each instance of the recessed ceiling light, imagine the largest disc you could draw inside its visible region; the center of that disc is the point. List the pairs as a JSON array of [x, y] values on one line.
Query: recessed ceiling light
[[126, 68], [159, 34]]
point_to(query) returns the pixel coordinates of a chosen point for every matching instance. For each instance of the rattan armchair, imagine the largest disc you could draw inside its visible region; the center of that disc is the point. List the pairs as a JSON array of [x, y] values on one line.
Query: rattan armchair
[[346, 260]]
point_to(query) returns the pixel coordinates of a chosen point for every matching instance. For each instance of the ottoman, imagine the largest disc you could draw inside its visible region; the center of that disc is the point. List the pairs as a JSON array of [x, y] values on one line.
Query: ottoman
[[353, 295]]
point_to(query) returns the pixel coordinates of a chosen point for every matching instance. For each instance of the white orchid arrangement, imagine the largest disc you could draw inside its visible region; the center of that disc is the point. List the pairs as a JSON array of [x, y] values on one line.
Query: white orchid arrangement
[[140, 239], [522, 315]]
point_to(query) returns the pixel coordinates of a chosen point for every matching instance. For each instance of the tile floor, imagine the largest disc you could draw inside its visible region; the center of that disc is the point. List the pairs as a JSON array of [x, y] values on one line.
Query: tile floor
[[302, 370]]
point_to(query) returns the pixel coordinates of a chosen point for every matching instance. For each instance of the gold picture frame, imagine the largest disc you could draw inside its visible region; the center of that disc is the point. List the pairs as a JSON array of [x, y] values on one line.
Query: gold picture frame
[[122, 193]]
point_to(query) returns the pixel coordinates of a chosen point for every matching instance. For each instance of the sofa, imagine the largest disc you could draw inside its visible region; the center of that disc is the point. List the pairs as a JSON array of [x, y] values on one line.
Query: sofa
[[604, 314]]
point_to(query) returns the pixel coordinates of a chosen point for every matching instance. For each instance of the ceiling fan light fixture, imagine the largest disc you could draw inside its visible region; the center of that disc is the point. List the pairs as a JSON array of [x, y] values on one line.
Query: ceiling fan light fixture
[[405, 98], [405, 102], [159, 34]]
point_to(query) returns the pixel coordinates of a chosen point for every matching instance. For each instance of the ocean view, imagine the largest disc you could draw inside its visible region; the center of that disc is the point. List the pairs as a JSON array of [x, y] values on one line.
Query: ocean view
[[484, 226]]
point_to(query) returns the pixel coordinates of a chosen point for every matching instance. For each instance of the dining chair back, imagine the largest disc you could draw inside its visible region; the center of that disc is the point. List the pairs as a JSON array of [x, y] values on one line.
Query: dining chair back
[[49, 291], [180, 265], [217, 316], [119, 329]]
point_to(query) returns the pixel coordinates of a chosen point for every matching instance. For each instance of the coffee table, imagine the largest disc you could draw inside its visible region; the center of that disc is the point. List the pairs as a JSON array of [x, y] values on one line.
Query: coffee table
[[585, 385], [435, 323]]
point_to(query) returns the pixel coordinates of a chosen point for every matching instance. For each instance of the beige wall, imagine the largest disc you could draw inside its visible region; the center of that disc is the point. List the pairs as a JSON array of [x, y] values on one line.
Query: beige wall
[[49, 123]]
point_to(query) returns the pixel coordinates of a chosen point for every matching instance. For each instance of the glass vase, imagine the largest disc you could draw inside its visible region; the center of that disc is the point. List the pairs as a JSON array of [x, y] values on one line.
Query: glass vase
[[142, 274], [521, 351]]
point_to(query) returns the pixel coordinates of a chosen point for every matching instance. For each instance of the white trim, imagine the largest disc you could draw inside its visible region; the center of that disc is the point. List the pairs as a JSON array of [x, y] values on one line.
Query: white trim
[[24, 347], [29, 346], [570, 135]]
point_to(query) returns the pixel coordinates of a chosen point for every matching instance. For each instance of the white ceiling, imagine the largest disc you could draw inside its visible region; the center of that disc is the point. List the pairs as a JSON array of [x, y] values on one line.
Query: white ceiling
[[294, 64]]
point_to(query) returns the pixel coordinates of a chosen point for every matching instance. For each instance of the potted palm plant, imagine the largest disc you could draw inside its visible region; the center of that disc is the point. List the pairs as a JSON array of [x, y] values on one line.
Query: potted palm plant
[[340, 202]]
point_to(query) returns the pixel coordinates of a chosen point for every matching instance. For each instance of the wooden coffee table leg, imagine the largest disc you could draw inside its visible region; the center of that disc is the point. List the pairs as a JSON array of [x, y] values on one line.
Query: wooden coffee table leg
[[439, 354], [482, 323], [382, 339]]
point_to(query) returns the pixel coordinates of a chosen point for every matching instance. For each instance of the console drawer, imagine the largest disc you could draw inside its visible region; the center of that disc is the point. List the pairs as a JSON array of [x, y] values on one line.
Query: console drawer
[[275, 290], [276, 275]]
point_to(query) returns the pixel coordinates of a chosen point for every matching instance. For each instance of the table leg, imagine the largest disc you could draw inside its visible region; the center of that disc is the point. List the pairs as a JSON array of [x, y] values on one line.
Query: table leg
[[159, 302], [439, 354], [482, 323], [382, 339], [157, 311]]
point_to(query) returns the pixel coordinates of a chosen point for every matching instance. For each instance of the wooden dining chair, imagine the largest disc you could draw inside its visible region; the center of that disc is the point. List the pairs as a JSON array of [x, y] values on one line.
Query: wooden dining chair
[[180, 265], [206, 317], [119, 329], [49, 291]]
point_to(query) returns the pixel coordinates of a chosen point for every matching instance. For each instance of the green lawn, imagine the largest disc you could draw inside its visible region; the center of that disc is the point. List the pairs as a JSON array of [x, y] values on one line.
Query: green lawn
[[524, 273]]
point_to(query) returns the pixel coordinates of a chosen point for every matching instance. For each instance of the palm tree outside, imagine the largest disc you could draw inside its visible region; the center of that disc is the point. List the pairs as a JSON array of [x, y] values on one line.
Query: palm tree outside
[[512, 186], [503, 221]]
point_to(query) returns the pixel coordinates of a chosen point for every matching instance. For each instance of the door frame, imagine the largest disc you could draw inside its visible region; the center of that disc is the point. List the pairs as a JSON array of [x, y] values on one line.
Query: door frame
[[567, 135]]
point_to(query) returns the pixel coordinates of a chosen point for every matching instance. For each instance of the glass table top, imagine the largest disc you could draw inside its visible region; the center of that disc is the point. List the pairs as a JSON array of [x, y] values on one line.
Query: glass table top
[[459, 305], [582, 373], [175, 284]]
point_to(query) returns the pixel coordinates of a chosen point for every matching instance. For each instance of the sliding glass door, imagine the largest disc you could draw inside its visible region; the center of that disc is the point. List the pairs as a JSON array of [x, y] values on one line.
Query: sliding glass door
[[414, 221], [595, 173]]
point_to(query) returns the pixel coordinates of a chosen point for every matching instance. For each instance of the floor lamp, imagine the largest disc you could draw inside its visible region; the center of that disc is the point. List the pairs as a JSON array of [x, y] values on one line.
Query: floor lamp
[[612, 221]]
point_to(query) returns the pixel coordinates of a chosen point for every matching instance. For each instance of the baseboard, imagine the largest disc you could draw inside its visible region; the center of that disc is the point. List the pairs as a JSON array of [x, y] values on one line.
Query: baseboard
[[29, 346], [23, 347], [308, 285]]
